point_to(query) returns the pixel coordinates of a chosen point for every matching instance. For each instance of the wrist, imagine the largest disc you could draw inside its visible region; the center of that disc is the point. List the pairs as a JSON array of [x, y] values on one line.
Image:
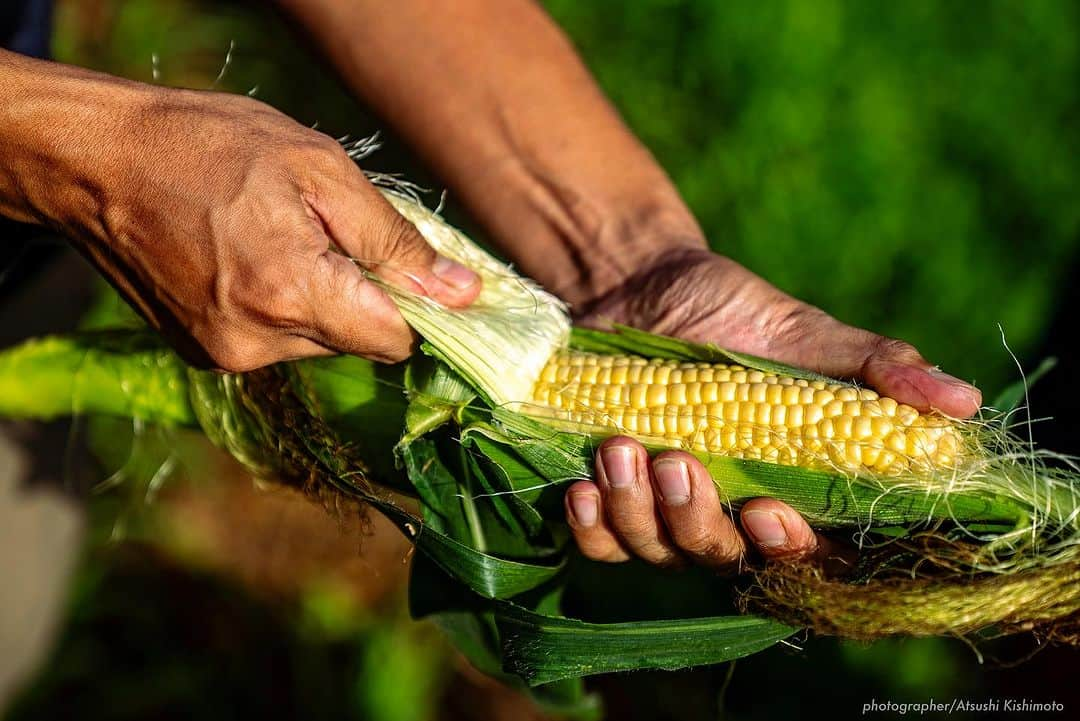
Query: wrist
[[582, 246], [637, 234], [570, 215]]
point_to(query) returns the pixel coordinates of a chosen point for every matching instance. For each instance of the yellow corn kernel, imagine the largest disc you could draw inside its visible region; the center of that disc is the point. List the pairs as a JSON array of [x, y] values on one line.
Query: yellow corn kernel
[[757, 392], [710, 392], [745, 413], [677, 394], [686, 424], [863, 428], [730, 411], [906, 415], [727, 391], [847, 394], [655, 395]]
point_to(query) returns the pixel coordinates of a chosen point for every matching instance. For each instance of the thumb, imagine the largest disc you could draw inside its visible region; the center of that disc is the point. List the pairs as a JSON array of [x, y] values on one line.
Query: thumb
[[897, 369], [891, 366], [366, 227]]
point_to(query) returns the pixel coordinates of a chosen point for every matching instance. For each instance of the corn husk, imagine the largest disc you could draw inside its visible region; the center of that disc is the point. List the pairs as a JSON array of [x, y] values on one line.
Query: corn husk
[[954, 554]]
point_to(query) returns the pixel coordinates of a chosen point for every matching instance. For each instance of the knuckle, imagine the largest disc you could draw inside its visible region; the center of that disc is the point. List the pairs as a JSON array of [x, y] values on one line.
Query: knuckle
[[270, 296], [236, 356], [286, 302], [401, 240], [658, 554], [391, 355], [331, 157], [717, 550], [637, 529], [601, 552], [385, 346], [319, 148], [329, 146], [792, 321], [893, 349]]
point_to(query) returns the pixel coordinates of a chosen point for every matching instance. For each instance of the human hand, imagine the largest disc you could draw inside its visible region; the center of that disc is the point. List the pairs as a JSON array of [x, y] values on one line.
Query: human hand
[[666, 511], [218, 218]]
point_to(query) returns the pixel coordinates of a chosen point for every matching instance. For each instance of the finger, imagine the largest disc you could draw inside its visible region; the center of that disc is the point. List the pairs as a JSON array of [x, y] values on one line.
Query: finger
[[892, 367], [779, 533], [892, 370], [622, 473], [350, 314], [366, 226], [691, 510], [295, 347], [585, 516], [237, 351]]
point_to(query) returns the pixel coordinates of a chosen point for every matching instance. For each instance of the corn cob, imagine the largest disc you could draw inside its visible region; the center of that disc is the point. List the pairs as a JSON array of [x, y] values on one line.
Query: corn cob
[[1003, 522], [744, 413], [518, 357]]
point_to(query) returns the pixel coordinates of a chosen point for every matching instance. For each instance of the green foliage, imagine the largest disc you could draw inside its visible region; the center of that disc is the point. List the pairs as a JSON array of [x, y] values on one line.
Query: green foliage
[[910, 167], [907, 166]]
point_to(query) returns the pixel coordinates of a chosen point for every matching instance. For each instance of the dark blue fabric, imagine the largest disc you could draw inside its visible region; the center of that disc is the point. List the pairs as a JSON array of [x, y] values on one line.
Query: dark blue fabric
[[25, 26]]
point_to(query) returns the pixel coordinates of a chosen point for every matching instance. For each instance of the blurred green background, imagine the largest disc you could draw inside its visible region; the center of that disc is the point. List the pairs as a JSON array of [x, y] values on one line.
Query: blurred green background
[[910, 167]]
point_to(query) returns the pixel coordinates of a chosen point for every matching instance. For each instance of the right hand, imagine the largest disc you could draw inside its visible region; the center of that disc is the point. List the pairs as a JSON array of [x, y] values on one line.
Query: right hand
[[216, 216], [666, 510]]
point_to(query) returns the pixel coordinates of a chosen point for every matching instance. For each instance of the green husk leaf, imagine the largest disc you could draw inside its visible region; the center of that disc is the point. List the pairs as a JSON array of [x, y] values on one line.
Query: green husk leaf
[[469, 622], [828, 500], [448, 527], [436, 394], [625, 339], [486, 575], [542, 648], [516, 480]]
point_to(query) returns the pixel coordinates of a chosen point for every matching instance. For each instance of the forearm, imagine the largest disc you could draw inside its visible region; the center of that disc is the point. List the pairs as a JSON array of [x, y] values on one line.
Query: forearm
[[53, 159], [492, 94]]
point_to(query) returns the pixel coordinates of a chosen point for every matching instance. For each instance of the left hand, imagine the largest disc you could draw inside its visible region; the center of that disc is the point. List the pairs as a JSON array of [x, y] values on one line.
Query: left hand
[[666, 510]]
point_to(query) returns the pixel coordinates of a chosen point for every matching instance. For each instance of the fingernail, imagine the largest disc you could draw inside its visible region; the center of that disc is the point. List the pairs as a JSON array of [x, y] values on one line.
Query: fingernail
[[619, 466], [584, 508], [452, 273], [765, 528], [673, 477], [943, 377]]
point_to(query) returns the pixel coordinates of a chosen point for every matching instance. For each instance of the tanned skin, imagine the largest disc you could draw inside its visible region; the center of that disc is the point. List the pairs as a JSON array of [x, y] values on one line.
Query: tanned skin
[[216, 216]]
